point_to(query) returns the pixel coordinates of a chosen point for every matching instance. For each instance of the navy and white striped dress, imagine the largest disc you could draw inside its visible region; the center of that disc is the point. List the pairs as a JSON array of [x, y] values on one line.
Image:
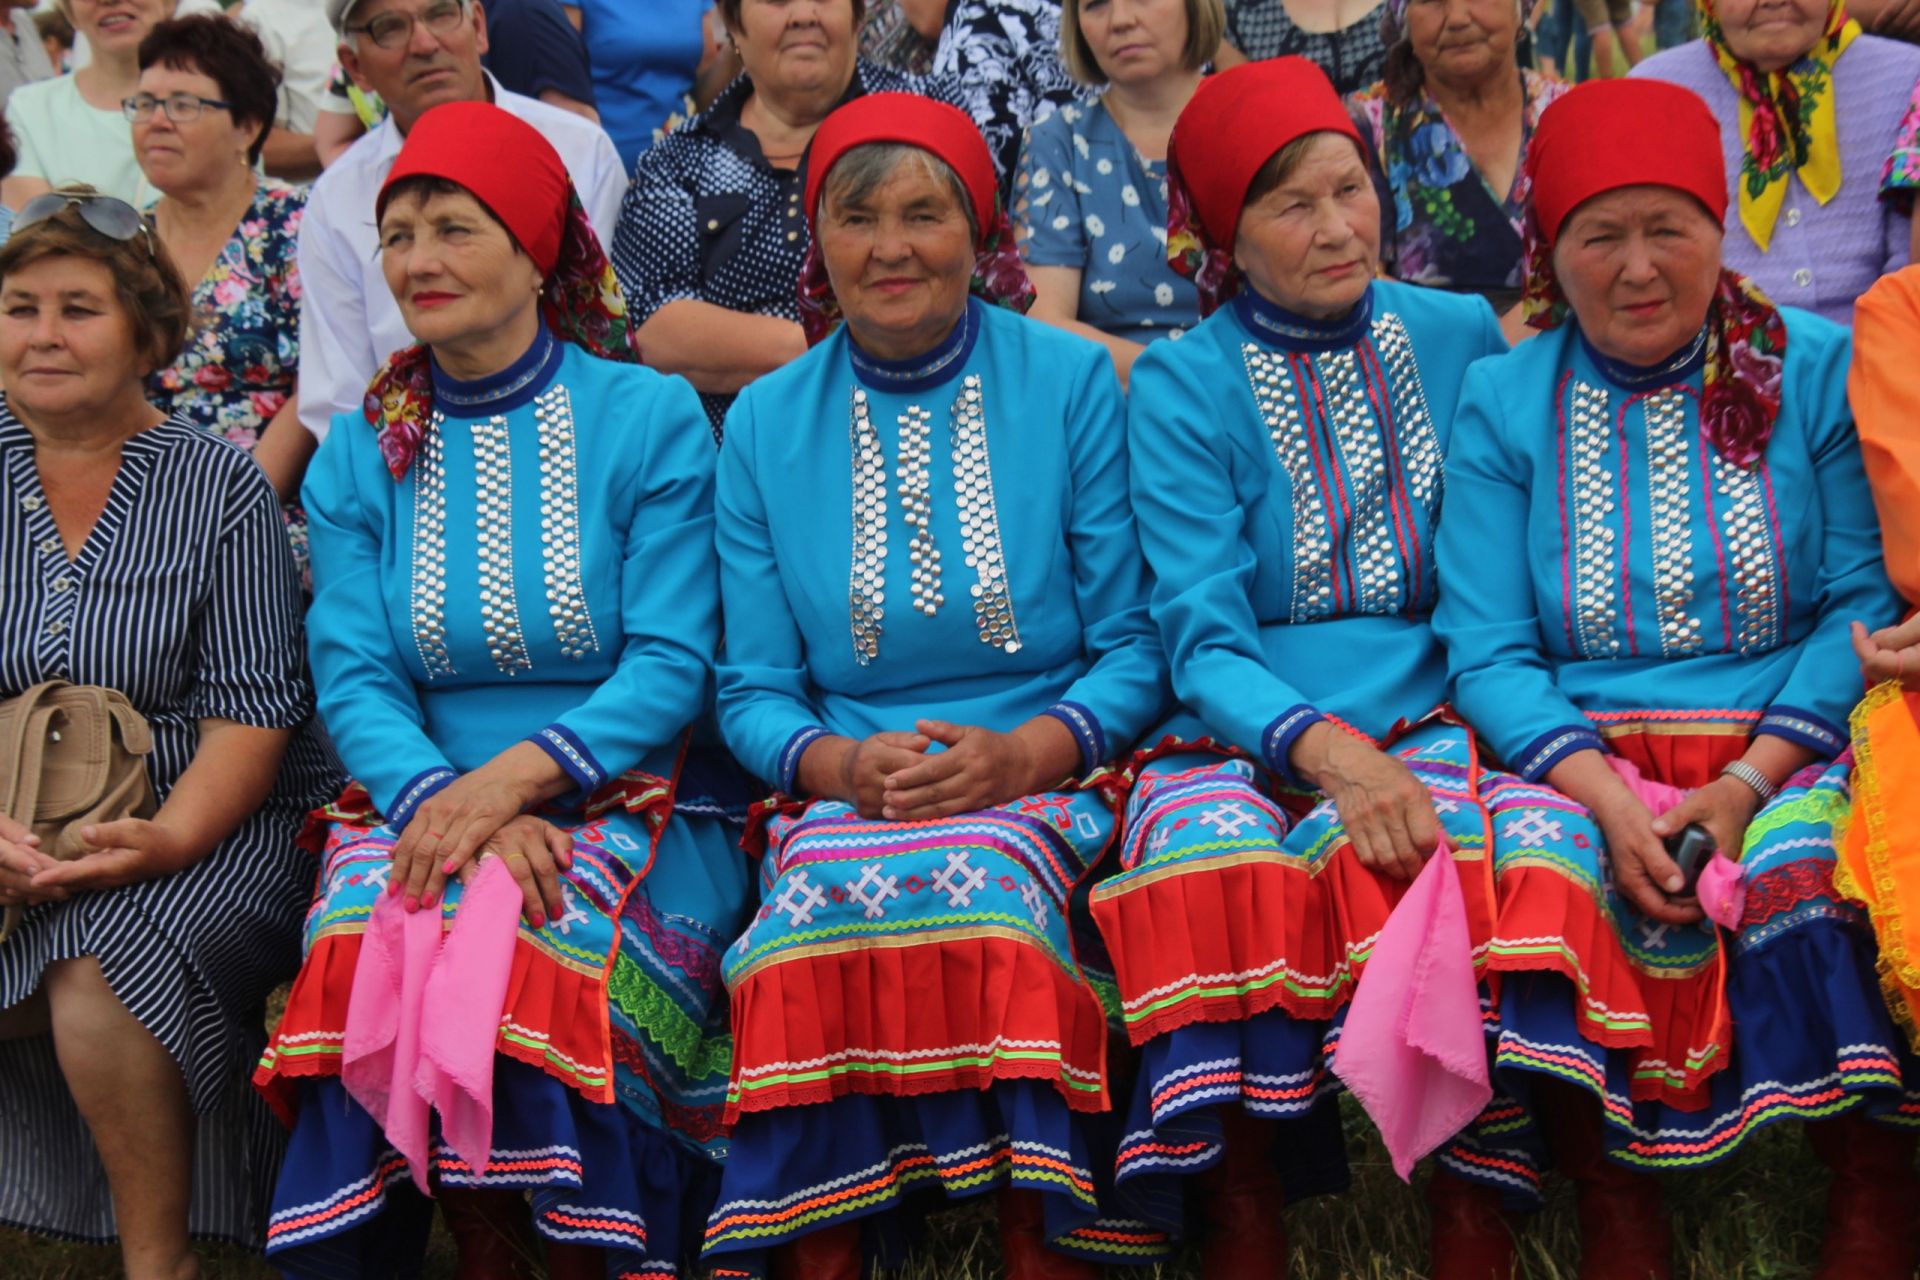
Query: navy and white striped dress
[[184, 598]]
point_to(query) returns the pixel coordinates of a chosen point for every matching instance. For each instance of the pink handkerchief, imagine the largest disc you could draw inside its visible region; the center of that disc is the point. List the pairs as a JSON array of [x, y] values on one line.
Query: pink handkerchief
[[1412, 1050], [379, 1059], [460, 1022], [1722, 888], [423, 1017]]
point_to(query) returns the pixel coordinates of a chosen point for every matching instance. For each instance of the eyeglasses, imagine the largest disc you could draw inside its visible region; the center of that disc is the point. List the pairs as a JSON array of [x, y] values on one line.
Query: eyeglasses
[[181, 108], [393, 30], [111, 217]]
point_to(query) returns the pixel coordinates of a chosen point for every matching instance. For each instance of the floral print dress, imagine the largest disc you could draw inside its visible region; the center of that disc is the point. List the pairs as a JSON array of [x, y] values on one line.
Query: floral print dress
[[239, 363], [1441, 224]]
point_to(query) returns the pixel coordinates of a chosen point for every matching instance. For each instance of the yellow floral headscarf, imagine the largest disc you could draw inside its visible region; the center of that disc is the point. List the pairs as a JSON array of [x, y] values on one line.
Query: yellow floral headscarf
[[1787, 120]]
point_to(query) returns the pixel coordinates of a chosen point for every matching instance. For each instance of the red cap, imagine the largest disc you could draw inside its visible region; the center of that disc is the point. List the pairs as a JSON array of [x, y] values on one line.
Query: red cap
[[918, 122], [502, 160], [1236, 122], [1607, 134]]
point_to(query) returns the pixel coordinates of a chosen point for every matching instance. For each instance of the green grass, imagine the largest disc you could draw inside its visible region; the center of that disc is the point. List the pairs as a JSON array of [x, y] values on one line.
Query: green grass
[[1756, 1217]]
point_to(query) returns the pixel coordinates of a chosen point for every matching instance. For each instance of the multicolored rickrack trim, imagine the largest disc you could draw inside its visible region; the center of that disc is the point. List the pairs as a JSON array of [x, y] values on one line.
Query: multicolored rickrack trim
[[581, 302], [1746, 351]]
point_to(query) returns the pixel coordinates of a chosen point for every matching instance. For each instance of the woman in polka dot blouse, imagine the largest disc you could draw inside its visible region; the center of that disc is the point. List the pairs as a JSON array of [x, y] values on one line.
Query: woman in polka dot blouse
[[1090, 196], [711, 236]]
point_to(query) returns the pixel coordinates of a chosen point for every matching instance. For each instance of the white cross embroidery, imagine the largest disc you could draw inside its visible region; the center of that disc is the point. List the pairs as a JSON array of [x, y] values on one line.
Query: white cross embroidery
[[1533, 827], [799, 899], [570, 912], [960, 879], [884, 887], [1443, 805], [1652, 933], [1228, 820], [1157, 842], [1036, 901]]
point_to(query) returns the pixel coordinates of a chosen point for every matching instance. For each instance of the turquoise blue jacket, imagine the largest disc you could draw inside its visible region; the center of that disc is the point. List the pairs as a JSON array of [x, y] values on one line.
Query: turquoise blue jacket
[[1041, 601], [1602, 565], [544, 571], [1287, 480]]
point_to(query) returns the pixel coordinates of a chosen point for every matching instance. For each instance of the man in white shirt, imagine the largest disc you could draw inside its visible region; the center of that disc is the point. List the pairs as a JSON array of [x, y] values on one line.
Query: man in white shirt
[[349, 322], [300, 41]]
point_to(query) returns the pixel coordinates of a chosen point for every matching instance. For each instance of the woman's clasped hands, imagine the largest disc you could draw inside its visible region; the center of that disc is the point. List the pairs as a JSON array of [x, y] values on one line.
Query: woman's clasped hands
[[481, 814]]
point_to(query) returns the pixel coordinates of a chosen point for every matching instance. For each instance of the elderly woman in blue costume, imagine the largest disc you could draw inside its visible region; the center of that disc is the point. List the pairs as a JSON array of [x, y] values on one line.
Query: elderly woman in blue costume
[[516, 608], [939, 690], [1660, 532], [1286, 462]]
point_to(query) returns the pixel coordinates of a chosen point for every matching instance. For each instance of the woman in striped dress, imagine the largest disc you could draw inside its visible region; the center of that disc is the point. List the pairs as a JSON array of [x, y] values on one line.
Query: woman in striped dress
[[142, 554]]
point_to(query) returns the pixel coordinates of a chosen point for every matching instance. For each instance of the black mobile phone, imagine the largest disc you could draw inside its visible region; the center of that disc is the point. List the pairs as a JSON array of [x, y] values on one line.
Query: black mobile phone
[[1692, 847]]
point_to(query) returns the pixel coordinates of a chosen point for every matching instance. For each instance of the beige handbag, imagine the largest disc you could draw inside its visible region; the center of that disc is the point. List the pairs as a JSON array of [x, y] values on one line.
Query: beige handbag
[[71, 755]]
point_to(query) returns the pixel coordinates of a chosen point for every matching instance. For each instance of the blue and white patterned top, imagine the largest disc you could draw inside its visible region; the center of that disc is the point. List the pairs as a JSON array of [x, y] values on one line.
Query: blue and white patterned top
[[1084, 197]]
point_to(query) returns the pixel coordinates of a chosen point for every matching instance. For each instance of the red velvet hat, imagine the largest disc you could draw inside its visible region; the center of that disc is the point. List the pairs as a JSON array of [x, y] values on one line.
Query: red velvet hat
[[503, 161], [1607, 134], [916, 121], [1235, 123]]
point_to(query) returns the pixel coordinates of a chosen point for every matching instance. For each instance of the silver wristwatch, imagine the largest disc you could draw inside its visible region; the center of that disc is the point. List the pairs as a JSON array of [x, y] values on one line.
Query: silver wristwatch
[[1760, 784]]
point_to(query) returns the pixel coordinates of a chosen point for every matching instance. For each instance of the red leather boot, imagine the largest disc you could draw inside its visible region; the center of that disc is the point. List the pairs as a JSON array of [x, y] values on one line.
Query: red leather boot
[[1625, 1233], [1871, 1224], [1242, 1199], [827, 1253], [1023, 1242], [575, 1261], [1472, 1239], [492, 1233]]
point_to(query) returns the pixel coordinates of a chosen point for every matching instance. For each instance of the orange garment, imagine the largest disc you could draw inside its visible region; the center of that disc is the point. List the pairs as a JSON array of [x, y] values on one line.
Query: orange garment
[[1884, 387], [1878, 866]]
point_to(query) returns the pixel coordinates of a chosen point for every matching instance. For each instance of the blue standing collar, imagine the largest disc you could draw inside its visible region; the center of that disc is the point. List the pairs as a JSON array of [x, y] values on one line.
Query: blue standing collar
[[501, 392], [1278, 327], [929, 368]]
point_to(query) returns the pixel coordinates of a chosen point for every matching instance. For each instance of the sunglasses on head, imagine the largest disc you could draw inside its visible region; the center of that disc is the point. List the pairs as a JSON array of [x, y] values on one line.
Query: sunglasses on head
[[108, 215]]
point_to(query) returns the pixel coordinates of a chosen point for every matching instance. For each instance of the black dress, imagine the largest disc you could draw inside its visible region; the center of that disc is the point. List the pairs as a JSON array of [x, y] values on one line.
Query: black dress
[[184, 598]]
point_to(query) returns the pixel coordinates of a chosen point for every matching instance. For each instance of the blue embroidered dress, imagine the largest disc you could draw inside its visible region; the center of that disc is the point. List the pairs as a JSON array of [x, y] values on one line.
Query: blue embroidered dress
[[948, 537], [1287, 475], [1609, 580], [543, 572]]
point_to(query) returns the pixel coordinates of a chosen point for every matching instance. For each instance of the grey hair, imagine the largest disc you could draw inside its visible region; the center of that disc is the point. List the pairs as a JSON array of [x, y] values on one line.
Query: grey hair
[[864, 169]]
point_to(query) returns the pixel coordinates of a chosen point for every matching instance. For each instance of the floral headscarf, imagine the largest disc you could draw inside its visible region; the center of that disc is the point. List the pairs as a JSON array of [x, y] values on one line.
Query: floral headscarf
[[508, 167], [1237, 121], [999, 277], [1608, 134], [1787, 120]]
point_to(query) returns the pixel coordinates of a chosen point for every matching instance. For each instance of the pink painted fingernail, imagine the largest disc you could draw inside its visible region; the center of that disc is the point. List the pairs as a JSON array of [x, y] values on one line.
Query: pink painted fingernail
[[538, 920], [428, 900], [451, 867], [413, 903]]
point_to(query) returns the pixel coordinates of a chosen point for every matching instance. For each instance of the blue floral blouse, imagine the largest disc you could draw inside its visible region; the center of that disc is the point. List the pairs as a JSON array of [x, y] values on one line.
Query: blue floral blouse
[[1084, 197], [239, 364]]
